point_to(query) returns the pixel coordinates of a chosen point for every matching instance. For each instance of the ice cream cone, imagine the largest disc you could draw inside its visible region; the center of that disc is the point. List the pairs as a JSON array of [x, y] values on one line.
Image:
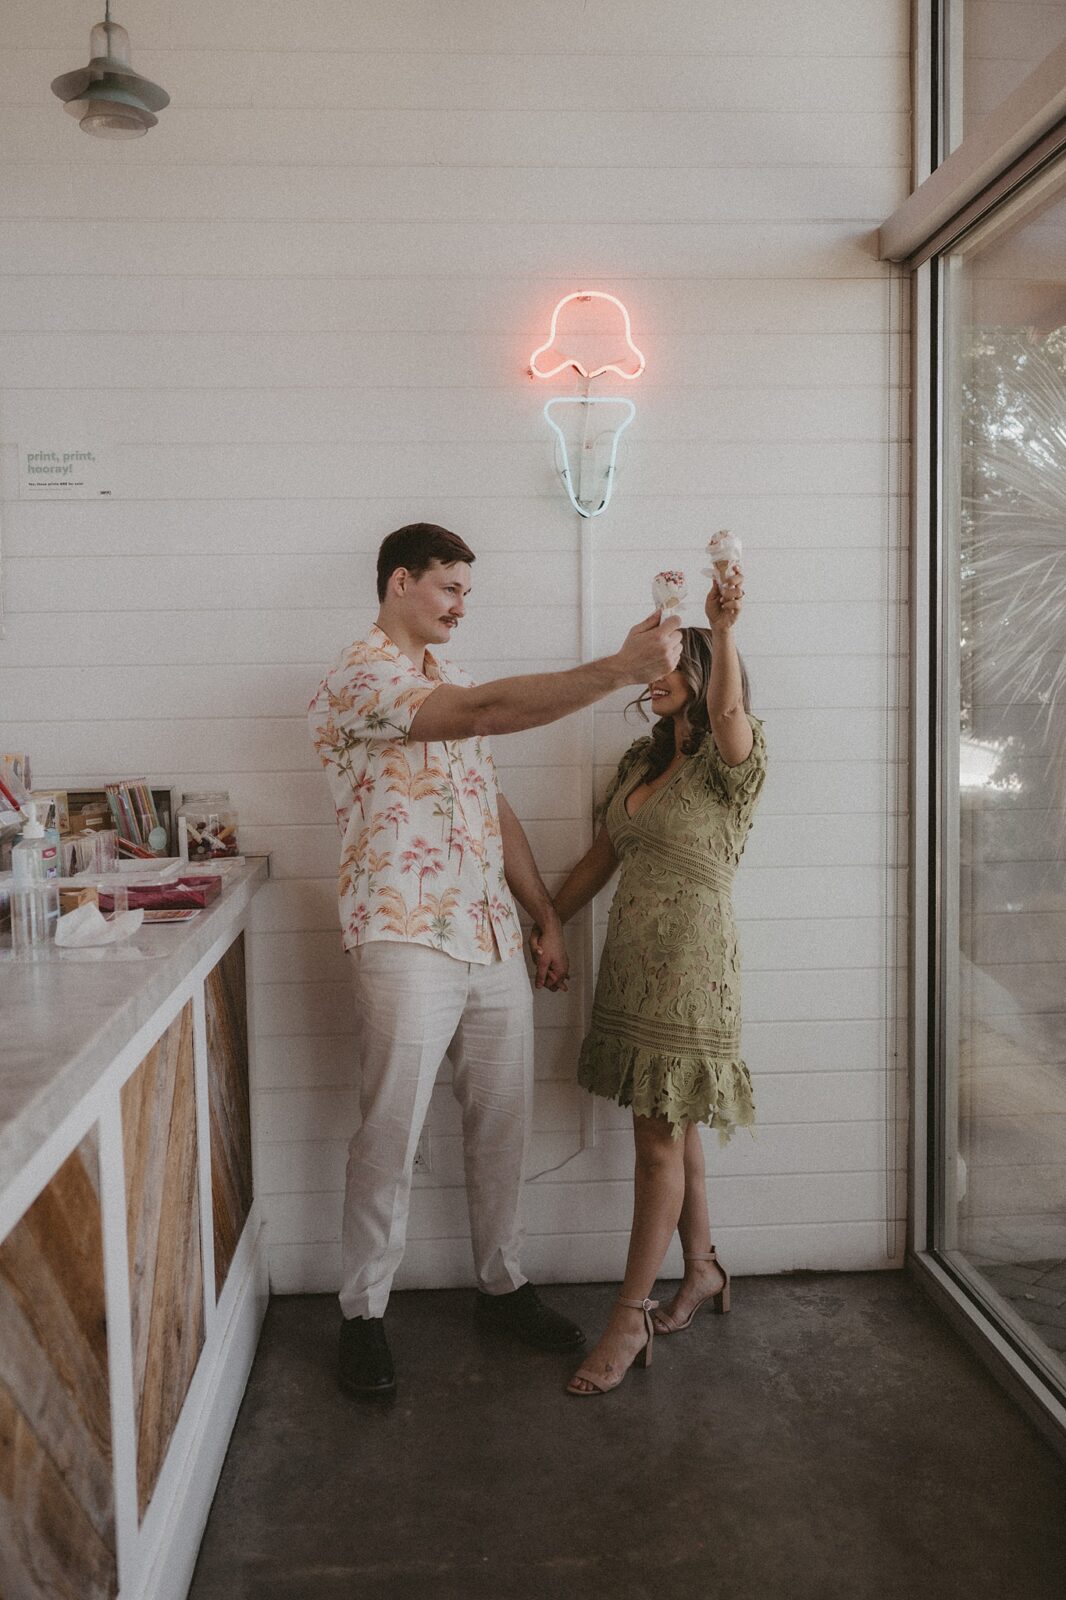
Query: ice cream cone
[[724, 551], [668, 590]]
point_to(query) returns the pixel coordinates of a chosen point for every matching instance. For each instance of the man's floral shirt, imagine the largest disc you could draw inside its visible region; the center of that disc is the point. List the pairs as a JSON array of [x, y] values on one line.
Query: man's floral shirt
[[422, 855]]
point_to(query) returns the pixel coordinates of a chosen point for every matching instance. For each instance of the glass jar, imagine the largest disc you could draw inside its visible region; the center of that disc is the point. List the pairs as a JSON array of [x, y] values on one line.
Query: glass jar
[[210, 824]]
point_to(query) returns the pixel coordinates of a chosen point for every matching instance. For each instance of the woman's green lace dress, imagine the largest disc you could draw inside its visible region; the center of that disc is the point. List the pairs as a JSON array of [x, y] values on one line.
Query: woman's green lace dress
[[665, 1034]]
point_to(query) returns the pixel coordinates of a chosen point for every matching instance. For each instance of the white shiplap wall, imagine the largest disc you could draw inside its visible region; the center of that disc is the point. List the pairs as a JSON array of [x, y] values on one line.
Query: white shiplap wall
[[299, 313]]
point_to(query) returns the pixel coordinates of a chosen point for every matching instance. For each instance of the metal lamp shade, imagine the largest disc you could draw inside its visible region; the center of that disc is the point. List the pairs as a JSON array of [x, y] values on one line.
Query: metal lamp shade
[[110, 109], [108, 98]]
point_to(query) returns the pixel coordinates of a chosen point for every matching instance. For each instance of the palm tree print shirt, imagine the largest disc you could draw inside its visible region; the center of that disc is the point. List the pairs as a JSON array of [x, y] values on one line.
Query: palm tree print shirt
[[422, 854]]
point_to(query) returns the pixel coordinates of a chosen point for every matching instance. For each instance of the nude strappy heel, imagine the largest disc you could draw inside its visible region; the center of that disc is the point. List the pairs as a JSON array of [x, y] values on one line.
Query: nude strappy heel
[[601, 1384], [719, 1299]]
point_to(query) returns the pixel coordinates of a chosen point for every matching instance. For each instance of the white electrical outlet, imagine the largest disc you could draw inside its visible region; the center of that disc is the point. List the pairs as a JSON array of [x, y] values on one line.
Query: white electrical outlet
[[422, 1155]]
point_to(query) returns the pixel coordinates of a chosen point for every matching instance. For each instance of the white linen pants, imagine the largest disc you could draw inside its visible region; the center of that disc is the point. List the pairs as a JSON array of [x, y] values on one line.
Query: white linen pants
[[415, 1005]]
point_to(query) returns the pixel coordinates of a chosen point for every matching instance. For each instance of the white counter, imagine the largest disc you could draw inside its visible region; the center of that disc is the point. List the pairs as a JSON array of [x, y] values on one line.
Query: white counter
[[64, 1019], [132, 1273]]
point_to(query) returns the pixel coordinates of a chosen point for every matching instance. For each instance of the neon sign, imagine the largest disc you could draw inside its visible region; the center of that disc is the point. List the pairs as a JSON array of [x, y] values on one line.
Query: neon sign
[[595, 505], [551, 358], [635, 362]]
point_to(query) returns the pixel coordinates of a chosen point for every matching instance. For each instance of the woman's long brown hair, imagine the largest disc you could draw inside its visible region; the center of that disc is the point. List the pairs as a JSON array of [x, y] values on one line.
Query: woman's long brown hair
[[697, 648]]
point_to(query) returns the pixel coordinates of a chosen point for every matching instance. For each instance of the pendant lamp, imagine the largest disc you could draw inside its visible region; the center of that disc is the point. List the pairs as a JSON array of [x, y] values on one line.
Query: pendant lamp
[[108, 98]]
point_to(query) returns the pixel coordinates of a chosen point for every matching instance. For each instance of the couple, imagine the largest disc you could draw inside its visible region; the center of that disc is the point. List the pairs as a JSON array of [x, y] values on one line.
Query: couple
[[433, 860]]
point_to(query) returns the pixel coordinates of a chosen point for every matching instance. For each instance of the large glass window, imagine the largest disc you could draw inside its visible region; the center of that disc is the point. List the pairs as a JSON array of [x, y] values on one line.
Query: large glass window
[[994, 45], [1001, 1213]]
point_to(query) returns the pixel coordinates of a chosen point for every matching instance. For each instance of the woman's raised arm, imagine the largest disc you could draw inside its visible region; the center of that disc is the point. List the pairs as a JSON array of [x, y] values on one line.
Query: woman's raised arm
[[730, 725]]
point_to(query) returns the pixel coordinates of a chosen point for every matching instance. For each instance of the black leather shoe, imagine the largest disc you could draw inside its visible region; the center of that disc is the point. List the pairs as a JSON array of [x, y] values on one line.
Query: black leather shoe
[[523, 1315], [365, 1363]]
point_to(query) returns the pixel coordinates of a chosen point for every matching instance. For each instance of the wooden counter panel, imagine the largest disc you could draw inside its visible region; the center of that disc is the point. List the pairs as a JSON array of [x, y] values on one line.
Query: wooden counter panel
[[163, 1220], [228, 1093], [57, 1521]]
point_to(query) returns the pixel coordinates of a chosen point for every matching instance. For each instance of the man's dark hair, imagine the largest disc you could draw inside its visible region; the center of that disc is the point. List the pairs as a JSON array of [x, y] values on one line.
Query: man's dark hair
[[416, 547]]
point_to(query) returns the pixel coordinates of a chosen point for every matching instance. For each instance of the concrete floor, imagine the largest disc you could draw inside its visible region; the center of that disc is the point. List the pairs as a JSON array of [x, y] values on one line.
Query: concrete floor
[[831, 1439]]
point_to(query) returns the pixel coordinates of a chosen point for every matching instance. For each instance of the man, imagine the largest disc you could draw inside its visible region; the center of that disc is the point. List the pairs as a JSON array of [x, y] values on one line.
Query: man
[[432, 861]]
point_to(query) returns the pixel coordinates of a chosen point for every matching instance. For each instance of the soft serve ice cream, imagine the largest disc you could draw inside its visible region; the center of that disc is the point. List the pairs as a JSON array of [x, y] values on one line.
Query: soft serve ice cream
[[723, 548], [668, 590]]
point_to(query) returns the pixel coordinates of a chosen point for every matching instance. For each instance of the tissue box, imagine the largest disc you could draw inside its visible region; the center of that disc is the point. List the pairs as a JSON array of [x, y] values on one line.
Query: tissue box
[[176, 896], [73, 895]]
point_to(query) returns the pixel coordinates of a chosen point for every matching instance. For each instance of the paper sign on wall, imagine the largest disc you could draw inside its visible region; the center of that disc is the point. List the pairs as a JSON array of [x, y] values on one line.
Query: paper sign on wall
[[67, 474]]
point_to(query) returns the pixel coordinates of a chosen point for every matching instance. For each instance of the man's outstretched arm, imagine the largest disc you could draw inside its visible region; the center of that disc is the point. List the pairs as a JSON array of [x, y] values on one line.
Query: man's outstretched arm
[[507, 705]]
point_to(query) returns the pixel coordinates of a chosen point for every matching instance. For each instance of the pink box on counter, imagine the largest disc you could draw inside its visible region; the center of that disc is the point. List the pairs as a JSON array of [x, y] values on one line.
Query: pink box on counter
[[176, 896]]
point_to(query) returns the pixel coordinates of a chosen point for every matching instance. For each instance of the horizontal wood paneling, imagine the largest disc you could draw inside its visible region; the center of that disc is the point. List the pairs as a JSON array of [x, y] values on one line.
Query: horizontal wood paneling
[[576, 137], [764, 249], [280, 743], [203, 415], [847, 1246], [610, 1160], [164, 638], [597, 193], [301, 1065], [862, 628], [536, 80], [862, 731], [424, 360], [695, 27], [542, 792], [148, 581], [824, 840], [354, 301], [225, 636], [439, 1214], [781, 945], [800, 997], [349, 525]]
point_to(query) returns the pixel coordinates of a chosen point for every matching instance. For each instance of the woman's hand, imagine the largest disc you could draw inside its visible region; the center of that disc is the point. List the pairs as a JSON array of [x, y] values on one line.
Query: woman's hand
[[547, 946], [723, 604]]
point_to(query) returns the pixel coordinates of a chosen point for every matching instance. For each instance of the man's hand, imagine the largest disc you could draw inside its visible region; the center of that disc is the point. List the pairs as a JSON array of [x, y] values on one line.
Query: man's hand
[[548, 950], [652, 648]]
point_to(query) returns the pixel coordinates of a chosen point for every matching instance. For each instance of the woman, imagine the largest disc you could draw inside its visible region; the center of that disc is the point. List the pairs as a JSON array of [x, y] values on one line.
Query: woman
[[665, 1035]]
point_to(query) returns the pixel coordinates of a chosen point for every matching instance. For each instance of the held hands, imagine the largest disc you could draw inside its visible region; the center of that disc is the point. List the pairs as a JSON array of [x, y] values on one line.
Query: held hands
[[652, 648], [547, 947], [724, 602]]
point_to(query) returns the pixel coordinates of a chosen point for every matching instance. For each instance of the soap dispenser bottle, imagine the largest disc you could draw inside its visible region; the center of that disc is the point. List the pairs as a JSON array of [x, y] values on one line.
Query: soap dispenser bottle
[[35, 887]]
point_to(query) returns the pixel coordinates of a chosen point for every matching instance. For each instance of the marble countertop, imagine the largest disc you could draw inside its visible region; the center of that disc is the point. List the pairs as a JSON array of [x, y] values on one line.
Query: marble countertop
[[65, 1018]]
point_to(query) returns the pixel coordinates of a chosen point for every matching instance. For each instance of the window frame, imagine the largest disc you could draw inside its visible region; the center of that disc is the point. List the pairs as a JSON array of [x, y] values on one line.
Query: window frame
[[1018, 154], [1023, 135]]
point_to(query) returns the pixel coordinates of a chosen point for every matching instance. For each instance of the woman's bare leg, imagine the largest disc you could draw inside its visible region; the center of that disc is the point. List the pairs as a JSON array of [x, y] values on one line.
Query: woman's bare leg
[[658, 1195], [694, 1225]]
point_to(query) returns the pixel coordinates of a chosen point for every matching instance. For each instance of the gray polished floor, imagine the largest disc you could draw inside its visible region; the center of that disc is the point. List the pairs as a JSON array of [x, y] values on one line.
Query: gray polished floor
[[831, 1439]]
